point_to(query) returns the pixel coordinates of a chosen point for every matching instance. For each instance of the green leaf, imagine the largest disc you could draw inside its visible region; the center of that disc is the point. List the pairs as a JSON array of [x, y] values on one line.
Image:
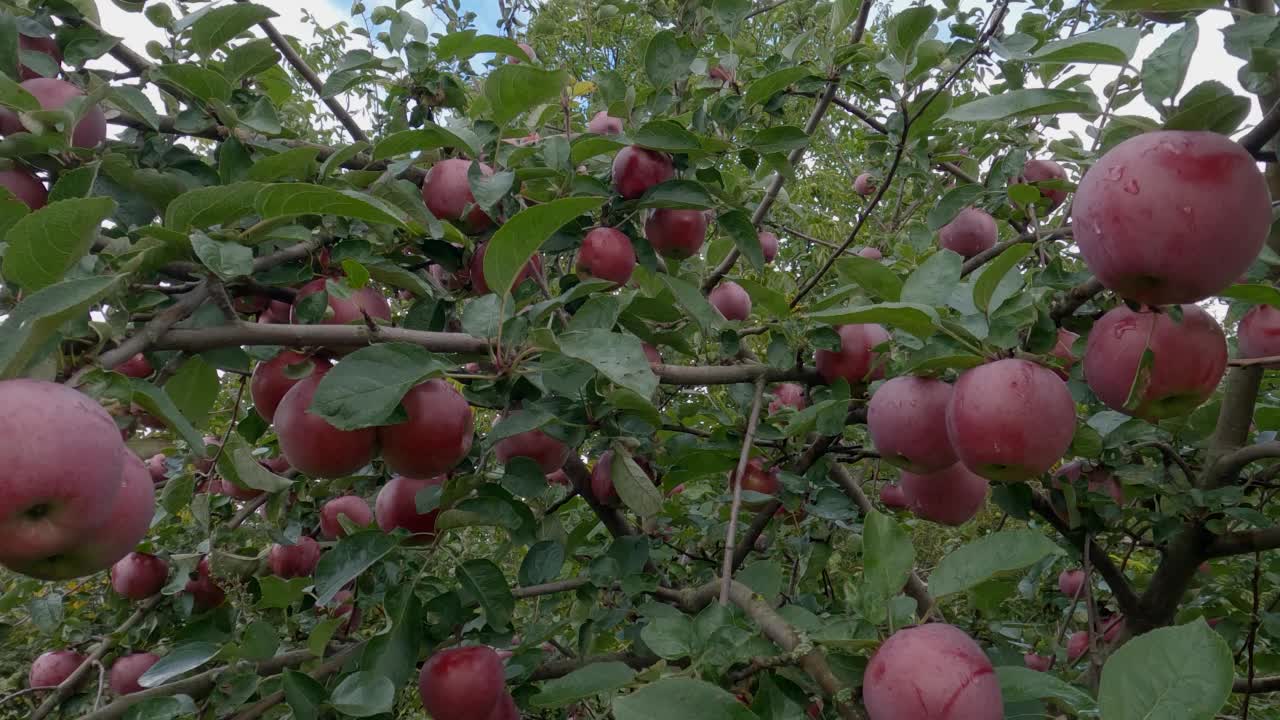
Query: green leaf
[[685, 194], [278, 593], [289, 199], [227, 260], [27, 327], [1117, 6], [634, 487], [514, 89], [210, 206], [365, 389], [871, 276], [542, 563], [1021, 103], [8, 46], [304, 695], [296, 163], [363, 694], [1108, 46], [348, 559], [666, 135], [1020, 684], [973, 564], [157, 402], [737, 224], [887, 555], [842, 14], [182, 659], [260, 640], [919, 320], [667, 58], [691, 299], [44, 245], [520, 237], [1165, 69], [249, 59], [394, 654], [906, 29], [221, 24], [198, 81], [779, 138], [1172, 673], [237, 464], [1210, 106], [952, 203], [766, 298], [933, 282], [582, 684], [1256, 294], [995, 271], [680, 699], [484, 581], [773, 83], [617, 356], [16, 97], [133, 101], [194, 389], [589, 146], [432, 137], [467, 44], [332, 163]]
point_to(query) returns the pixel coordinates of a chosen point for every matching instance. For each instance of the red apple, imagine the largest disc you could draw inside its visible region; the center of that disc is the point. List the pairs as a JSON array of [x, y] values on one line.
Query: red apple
[[536, 445], [478, 284], [277, 313], [856, 361], [343, 605], [273, 378], [559, 478], [138, 576], [463, 683], [971, 232], [126, 670], [676, 233], [447, 192], [607, 254], [353, 507], [768, 245], [346, 310], [758, 479], [1071, 582], [250, 304], [131, 513], [437, 435], [53, 667], [505, 709], [296, 560], [135, 367], [311, 444], [907, 421], [278, 465], [602, 123], [528, 50], [1112, 628], [1035, 171], [63, 463], [204, 455], [1062, 351], [636, 169], [1102, 481], [1077, 645], [787, 395], [53, 94], [721, 73], [1010, 420], [204, 590], [892, 497], [864, 184], [1189, 359], [25, 186], [931, 671], [651, 353], [157, 467], [1259, 332], [602, 486], [1039, 663], [730, 300], [1171, 217], [46, 45], [871, 253], [397, 507], [948, 497], [222, 486]]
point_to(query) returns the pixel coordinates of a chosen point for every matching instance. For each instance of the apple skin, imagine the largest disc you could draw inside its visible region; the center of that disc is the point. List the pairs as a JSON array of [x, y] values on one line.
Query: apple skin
[[1036, 170], [730, 300], [907, 420], [463, 683], [676, 234], [53, 94], [559, 478], [505, 709], [607, 254], [651, 353], [138, 576], [536, 445], [1010, 420], [892, 497], [1190, 359], [277, 313], [204, 590], [856, 360], [636, 169], [346, 311], [397, 507], [528, 50], [55, 494], [602, 123], [437, 435], [1258, 334], [46, 45], [294, 561], [757, 478], [480, 286], [222, 486], [864, 184], [1171, 217], [270, 380], [787, 395], [721, 73], [130, 519], [204, 457], [871, 253], [311, 444], [1077, 645], [931, 671], [353, 507], [1039, 663], [1071, 582], [1100, 480], [343, 605], [53, 667], [447, 192], [602, 479], [126, 670], [1062, 351], [768, 245], [971, 232], [948, 497], [1112, 629], [135, 367], [157, 467], [25, 186]]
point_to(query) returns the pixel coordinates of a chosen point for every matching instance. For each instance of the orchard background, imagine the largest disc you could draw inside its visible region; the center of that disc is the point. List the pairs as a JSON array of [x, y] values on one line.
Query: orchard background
[[977, 298]]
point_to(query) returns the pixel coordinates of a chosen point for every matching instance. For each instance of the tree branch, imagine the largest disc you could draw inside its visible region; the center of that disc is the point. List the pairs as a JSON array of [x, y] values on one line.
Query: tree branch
[[994, 251], [560, 667], [327, 668], [613, 520], [1243, 542], [1259, 685], [550, 588], [1229, 466], [1073, 299], [736, 506]]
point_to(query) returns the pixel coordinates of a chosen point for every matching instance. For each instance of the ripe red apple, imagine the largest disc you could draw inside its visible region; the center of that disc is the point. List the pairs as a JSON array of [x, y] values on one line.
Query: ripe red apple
[[222, 486], [273, 378], [1258, 334], [864, 184], [204, 590], [250, 304], [636, 169], [676, 233], [856, 361], [948, 497], [1190, 358], [1077, 645], [1062, 351], [1100, 480], [559, 478], [311, 444], [204, 455], [128, 522], [25, 186], [53, 94], [353, 507], [721, 73], [277, 313], [1035, 171], [397, 507], [126, 670], [651, 353], [436, 436], [768, 245], [138, 576], [63, 463], [787, 395], [872, 253], [135, 367], [505, 708], [971, 232], [157, 468], [463, 683], [602, 486], [349, 310], [478, 284], [607, 254], [536, 445], [1010, 420], [278, 464], [528, 50], [296, 560], [892, 497], [1071, 582], [447, 192], [907, 421], [730, 300], [1172, 216], [602, 123], [1039, 663], [1112, 628], [758, 478], [46, 45], [343, 605], [53, 667], [931, 671]]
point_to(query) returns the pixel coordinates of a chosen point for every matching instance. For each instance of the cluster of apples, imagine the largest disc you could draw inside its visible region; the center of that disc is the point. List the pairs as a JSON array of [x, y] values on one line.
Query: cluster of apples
[[53, 668]]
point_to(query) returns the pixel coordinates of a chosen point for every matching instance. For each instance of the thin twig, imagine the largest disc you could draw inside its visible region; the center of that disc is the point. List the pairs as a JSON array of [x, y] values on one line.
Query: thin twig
[[1254, 621], [736, 506]]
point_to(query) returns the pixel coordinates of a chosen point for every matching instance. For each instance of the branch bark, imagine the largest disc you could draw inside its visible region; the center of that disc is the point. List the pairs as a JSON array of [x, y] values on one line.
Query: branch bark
[[1259, 685], [736, 506], [1243, 542]]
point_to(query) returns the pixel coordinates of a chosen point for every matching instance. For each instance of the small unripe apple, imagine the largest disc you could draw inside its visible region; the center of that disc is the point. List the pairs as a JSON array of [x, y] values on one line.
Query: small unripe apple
[[54, 94], [907, 421], [296, 560], [651, 353], [787, 395], [204, 590], [1039, 663], [676, 233], [275, 377], [857, 360], [607, 254], [311, 444], [447, 192], [758, 478], [349, 310], [768, 245], [135, 367], [1259, 332], [25, 186], [864, 184], [397, 507], [126, 670], [871, 253], [548, 452], [971, 232], [1071, 582], [463, 683], [53, 667], [892, 497], [1035, 171], [929, 672], [1077, 645], [730, 300], [138, 576], [952, 496], [602, 123], [353, 507], [436, 436], [46, 45], [636, 169], [480, 286]]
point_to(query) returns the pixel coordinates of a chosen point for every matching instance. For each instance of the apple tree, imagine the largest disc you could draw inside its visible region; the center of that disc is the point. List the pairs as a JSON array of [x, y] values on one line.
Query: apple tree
[[638, 359]]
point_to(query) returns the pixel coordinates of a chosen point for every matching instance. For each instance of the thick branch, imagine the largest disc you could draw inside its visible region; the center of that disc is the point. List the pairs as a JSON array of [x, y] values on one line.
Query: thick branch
[[1246, 541], [550, 588], [994, 251], [560, 667], [1229, 466], [1263, 132], [1259, 685], [1074, 298]]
